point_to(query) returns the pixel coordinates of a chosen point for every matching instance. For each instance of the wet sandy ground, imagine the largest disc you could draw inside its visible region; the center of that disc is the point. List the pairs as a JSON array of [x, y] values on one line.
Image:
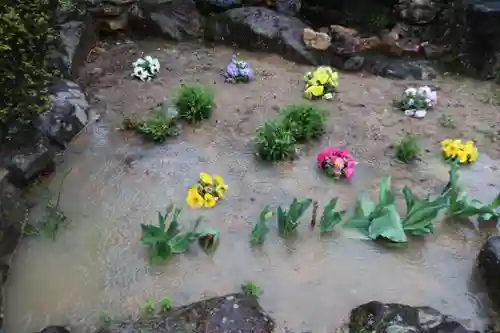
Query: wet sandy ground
[[97, 265]]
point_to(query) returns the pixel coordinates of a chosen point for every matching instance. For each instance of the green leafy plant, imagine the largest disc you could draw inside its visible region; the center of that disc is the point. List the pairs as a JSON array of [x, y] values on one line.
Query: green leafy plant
[[288, 219], [304, 121], [209, 240], [195, 103], [164, 242], [274, 142], [407, 149], [148, 307], [260, 229], [446, 121], [461, 206], [251, 289], [27, 35], [165, 305], [330, 217], [421, 213], [158, 127]]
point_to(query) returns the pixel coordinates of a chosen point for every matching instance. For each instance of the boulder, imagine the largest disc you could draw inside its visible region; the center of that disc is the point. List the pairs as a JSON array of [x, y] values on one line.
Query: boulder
[[67, 115], [288, 7], [171, 19], [262, 29], [110, 15], [489, 266], [30, 160], [401, 69], [55, 329], [77, 38], [377, 317], [233, 313], [417, 11]]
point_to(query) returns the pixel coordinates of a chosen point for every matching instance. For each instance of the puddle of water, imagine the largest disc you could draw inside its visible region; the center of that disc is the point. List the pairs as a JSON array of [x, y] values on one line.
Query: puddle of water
[[97, 264]]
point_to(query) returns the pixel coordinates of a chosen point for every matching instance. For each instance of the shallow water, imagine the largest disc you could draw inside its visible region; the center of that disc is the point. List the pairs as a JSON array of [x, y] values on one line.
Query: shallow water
[[97, 266]]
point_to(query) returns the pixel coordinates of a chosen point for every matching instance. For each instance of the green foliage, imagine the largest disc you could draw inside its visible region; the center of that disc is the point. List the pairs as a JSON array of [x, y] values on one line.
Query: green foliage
[[164, 242], [251, 289], [194, 103], [158, 127], [461, 206], [304, 121], [25, 27], [288, 219], [330, 217], [260, 229], [274, 142], [148, 307], [446, 121], [382, 220], [407, 149], [165, 305]]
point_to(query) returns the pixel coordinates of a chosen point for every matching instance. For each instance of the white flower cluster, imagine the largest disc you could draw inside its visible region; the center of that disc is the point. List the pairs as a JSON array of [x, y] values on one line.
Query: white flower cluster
[[146, 68], [416, 102]]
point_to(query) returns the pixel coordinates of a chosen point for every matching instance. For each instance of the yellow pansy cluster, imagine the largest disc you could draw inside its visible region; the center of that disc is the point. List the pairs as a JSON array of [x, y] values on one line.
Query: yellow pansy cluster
[[207, 192], [321, 83], [463, 152]]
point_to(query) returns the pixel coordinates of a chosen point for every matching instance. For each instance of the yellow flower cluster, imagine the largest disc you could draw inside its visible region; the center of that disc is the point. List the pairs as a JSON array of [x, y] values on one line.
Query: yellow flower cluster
[[455, 149], [207, 192], [321, 83]]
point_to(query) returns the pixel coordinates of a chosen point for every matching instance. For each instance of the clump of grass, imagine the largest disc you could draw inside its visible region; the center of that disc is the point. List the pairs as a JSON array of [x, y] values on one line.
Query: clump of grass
[[274, 142], [148, 307], [165, 305], [305, 121], [446, 121], [250, 289], [194, 103], [52, 219], [158, 128], [407, 149]]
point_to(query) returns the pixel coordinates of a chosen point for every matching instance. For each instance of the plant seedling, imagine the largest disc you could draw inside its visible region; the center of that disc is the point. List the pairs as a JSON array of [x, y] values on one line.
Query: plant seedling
[[209, 240], [165, 305], [330, 217], [288, 219], [304, 121], [251, 289], [260, 229], [195, 103], [148, 307], [274, 142]]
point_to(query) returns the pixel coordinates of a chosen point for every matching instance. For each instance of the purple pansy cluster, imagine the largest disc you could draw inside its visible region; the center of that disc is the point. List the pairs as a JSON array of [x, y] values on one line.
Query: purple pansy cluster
[[238, 71]]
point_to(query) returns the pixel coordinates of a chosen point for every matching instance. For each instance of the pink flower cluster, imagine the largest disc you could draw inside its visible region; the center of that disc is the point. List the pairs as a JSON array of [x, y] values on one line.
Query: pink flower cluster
[[336, 163]]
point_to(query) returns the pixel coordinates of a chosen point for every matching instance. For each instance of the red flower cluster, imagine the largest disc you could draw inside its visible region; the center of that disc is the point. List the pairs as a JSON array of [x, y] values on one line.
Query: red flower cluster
[[336, 163]]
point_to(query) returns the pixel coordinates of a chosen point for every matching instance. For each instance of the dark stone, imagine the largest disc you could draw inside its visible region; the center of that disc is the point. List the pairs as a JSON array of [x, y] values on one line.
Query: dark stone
[[173, 19], [289, 7], [403, 69], [207, 7], [377, 317], [262, 29], [233, 313], [67, 115], [55, 329], [489, 265], [77, 38], [30, 161]]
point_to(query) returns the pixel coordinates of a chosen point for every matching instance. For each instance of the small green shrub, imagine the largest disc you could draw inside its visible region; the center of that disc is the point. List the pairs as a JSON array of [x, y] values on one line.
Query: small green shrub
[[158, 128], [274, 142], [165, 305], [194, 103], [148, 307], [27, 35], [407, 149], [249, 288], [305, 121]]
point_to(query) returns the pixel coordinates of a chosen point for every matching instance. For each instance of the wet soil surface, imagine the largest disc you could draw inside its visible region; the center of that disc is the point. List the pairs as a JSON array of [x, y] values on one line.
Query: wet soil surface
[[117, 181]]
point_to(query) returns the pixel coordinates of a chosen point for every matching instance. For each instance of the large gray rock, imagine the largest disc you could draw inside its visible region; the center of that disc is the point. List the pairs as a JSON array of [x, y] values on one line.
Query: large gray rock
[[67, 115], [234, 313], [377, 317], [29, 161], [77, 38], [489, 265], [171, 19]]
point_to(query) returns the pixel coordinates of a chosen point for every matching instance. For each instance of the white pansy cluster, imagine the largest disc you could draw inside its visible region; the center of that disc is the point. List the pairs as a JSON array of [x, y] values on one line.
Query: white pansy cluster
[[146, 68], [416, 102]]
